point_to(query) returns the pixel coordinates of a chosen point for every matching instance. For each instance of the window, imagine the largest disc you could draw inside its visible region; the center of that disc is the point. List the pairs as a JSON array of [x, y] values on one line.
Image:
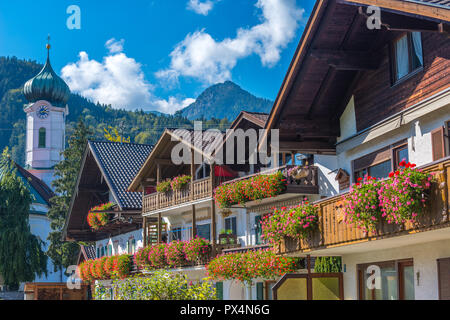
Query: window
[[407, 55], [258, 230], [102, 251], [230, 224], [380, 163], [175, 234], [204, 231], [396, 280], [42, 137], [131, 246]]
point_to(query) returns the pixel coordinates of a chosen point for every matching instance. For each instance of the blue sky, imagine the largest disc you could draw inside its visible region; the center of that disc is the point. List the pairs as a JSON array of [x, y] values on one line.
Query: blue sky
[[158, 54]]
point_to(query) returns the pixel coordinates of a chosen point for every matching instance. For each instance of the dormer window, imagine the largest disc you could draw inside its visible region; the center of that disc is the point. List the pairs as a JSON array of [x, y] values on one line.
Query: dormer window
[[407, 55]]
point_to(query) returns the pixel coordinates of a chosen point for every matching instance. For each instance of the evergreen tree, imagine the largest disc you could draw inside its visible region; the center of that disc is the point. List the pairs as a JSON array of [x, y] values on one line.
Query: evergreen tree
[[64, 253], [21, 256]]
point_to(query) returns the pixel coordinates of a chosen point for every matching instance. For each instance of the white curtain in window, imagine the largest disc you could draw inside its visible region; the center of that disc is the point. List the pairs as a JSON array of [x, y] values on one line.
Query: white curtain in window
[[417, 43], [401, 51]]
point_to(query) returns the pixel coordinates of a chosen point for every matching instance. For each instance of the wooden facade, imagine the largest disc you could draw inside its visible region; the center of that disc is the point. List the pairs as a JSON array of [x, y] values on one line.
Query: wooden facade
[[339, 57], [334, 232]]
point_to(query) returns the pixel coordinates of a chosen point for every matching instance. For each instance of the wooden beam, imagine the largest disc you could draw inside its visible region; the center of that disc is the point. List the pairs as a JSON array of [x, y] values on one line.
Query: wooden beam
[[164, 161], [213, 226], [346, 60], [302, 127], [414, 8], [307, 147], [398, 22], [326, 83]]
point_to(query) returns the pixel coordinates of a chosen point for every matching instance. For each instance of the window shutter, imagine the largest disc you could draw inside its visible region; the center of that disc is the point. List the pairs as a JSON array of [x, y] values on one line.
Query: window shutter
[[444, 278], [259, 291], [219, 290], [437, 142]]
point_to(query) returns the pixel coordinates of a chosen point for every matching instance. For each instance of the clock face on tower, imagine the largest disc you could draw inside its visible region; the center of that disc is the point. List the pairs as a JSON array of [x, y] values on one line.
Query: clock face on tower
[[43, 112]]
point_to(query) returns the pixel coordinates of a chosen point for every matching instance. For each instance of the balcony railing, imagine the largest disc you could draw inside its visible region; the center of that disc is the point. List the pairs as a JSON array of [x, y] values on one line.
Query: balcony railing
[[333, 231], [199, 189]]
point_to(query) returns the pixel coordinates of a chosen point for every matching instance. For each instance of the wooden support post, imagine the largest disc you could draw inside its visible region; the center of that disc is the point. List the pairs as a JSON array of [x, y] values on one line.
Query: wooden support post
[[159, 228], [191, 187], [158, 180], [144, 227], [213, 226], [308, 263], [194, 222]]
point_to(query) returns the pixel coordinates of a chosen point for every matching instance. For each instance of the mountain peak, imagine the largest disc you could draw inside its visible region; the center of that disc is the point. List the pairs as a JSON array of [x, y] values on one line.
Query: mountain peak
[[225, 100]]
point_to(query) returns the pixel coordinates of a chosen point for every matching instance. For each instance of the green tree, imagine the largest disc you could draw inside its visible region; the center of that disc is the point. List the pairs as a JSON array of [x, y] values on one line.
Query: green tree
[[64, 253], [21, 254]]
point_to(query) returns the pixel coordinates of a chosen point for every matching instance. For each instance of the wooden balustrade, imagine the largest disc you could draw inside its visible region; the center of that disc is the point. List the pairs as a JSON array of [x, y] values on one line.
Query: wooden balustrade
[[199, 189], [333, 231]]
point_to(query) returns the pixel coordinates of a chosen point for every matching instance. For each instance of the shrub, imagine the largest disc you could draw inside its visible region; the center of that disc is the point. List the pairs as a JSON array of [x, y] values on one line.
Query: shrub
[[97, 217], [361, 205], [180, 182], [295, 222], [161, 285], [403, 195], [174, 252], [255, 188], [196, 248], [163, 186], [328, 265], [105, 268], [157, 256], [141, 258]]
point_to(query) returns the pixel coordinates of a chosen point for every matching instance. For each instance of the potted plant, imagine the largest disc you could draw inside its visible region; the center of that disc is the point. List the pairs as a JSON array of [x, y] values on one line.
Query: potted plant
[[164, 186], [180, 182], [227, 237]]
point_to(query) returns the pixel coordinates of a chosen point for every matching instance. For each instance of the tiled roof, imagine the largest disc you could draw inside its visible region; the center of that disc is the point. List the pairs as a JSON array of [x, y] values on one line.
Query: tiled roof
[[208, 140], [37, 184], [258, 115], [119, 164], [88, 252]]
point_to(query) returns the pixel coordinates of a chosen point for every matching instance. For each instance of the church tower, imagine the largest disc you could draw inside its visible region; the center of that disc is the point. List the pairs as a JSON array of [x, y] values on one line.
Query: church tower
[[46, 111]]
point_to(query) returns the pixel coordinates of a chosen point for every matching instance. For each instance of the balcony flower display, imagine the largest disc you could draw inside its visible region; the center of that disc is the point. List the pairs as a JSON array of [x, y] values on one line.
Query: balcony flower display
[[254, 188], [98, 217], [157, 256], [295, 222], [250, 265], [175, 256], [403, 195], [197, 248], [105, 268], [164, 186], [141, 258], [180, 182], [361, 206]]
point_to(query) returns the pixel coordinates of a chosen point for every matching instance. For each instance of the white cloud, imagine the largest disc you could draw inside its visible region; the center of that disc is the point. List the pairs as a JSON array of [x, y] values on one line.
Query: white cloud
[[201, 57], [200, 7], [117, 80], [115, 46]]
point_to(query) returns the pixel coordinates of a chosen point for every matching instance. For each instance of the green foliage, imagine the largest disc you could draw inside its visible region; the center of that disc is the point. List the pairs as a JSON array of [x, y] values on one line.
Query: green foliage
[[161, 285], [64, 253], [328, 265], [21, 256], [112, 134]]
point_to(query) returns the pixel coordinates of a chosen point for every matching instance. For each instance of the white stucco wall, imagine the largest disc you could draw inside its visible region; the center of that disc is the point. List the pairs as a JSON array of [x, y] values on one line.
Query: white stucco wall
[[40, 226], [424, 256], [119, 242]]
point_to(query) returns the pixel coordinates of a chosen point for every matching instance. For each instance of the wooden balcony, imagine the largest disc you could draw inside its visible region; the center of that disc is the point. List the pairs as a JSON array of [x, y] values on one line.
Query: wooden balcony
[[198, 190], [334, 232]]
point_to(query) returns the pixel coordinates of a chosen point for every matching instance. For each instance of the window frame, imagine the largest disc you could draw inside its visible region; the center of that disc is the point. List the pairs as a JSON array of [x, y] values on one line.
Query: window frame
[[42, 138], [233, 225], [393, 59], [399, 267], [390, 149]]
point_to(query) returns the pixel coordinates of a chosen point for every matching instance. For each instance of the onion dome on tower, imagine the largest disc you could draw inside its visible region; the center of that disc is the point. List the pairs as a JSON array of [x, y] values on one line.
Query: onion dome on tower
[[47, 85]]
